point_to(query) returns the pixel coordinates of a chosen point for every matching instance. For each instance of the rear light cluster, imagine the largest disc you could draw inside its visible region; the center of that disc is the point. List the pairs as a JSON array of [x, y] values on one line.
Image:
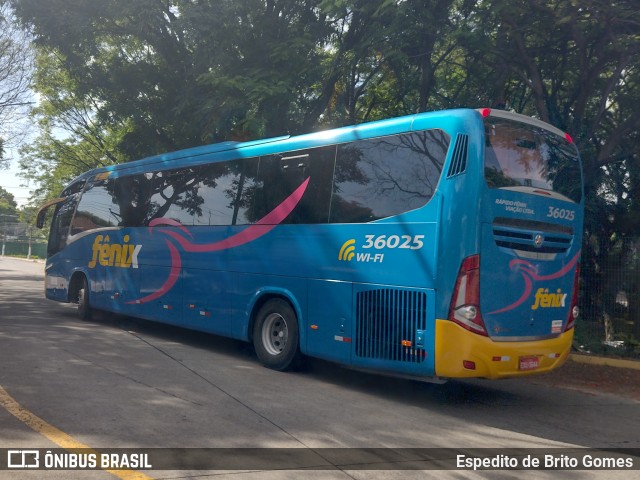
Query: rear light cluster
[[574, 311], [465, 302]]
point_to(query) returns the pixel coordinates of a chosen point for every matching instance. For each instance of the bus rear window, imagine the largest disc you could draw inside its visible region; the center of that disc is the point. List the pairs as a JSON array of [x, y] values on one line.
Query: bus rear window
[[522, 155]]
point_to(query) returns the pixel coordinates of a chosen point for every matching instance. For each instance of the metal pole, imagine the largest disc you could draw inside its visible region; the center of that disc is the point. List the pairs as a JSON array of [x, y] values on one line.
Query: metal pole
[[29, 252]]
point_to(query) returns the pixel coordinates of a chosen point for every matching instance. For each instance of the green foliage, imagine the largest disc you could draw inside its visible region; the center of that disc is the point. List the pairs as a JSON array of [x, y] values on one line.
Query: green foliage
[[156, 76], [8, 205]]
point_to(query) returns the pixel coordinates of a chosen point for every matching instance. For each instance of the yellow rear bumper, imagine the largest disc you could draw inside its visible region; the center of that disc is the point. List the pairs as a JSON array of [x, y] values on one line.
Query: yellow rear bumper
[[455, 345]]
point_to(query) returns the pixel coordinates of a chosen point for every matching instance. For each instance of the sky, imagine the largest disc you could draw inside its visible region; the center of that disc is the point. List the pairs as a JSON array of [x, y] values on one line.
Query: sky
[[10, 181]]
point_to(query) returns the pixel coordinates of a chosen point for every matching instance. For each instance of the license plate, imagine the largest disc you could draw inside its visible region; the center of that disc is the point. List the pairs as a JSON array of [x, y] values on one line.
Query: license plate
[[528, 363]]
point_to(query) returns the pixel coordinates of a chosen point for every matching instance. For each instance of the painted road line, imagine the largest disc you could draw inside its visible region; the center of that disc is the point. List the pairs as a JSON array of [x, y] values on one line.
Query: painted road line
[[57, 436]]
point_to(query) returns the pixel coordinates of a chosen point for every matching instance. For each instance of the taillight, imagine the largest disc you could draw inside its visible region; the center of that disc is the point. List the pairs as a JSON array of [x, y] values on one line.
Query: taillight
[[465, 302], [574, 311]]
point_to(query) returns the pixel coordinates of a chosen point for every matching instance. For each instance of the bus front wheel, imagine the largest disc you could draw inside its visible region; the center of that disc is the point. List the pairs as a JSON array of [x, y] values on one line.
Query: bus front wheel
[[275, 335]]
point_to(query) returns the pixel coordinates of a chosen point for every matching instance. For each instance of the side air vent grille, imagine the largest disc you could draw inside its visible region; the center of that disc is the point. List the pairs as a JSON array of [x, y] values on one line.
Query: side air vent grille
[[387, 321], [459, 160]]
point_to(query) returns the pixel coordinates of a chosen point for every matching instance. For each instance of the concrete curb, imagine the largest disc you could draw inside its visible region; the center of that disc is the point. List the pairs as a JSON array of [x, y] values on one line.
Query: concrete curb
[[605, 361], [22, 259]]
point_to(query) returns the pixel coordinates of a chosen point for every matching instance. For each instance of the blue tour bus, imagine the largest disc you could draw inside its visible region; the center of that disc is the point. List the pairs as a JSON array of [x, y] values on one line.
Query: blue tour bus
[[441, 244]]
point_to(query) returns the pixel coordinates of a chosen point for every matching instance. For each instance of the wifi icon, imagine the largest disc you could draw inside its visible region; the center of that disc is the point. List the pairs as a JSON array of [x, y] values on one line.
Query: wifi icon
[[347, 252]]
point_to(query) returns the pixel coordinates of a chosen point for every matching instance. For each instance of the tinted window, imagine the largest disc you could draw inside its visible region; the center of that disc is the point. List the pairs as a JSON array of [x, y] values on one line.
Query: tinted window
[[239, 189], [177, 195], [521, 155], [373, 179], [133, 194], [386, 176], [98, 208], [280, 175], [215, 194]]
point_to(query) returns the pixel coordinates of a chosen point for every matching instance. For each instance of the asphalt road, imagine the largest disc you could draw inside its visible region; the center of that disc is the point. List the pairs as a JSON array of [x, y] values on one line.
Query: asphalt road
[[118, 382]]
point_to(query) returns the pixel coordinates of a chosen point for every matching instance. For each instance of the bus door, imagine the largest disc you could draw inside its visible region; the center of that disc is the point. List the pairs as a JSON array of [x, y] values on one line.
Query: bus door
[[114, 268], [57, 270]]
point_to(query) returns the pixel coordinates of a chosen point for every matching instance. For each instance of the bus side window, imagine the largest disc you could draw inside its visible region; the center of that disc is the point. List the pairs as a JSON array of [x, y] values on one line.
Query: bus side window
[[132, 196], [97, 208], [279, 175], [386, 176], [212, 194], [240, 190]]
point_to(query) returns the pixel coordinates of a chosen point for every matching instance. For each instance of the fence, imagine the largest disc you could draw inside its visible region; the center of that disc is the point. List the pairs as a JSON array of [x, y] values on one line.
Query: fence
[[609, 302], [22, 240]]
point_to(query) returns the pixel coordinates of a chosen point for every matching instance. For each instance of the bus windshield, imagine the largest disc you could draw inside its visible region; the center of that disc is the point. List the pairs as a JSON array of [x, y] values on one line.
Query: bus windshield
[[522, 155]]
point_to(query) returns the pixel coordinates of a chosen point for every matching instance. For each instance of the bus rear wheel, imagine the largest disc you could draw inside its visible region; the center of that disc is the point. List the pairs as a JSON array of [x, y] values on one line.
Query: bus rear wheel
[[84, 308], [275, 335]]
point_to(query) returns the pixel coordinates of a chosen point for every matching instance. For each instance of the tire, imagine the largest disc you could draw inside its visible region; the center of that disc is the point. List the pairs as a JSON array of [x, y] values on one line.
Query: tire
[[275, 335], [84, 307]]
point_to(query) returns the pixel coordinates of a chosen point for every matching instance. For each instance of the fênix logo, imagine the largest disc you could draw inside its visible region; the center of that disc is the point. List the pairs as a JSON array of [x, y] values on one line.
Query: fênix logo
[[544, 299], [107, 254], [348, 250]]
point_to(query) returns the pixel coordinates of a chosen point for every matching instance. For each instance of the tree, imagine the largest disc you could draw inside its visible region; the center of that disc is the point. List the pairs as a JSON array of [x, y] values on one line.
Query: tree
[[8, 205], [51, 161], [572, 65], [15, 71], [385, 59]]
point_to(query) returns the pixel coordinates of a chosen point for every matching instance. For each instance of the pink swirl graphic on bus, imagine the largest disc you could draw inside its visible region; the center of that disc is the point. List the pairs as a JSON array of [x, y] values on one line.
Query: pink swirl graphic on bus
[[176, 265], [168, 222], [529, 274], [249, 234]]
